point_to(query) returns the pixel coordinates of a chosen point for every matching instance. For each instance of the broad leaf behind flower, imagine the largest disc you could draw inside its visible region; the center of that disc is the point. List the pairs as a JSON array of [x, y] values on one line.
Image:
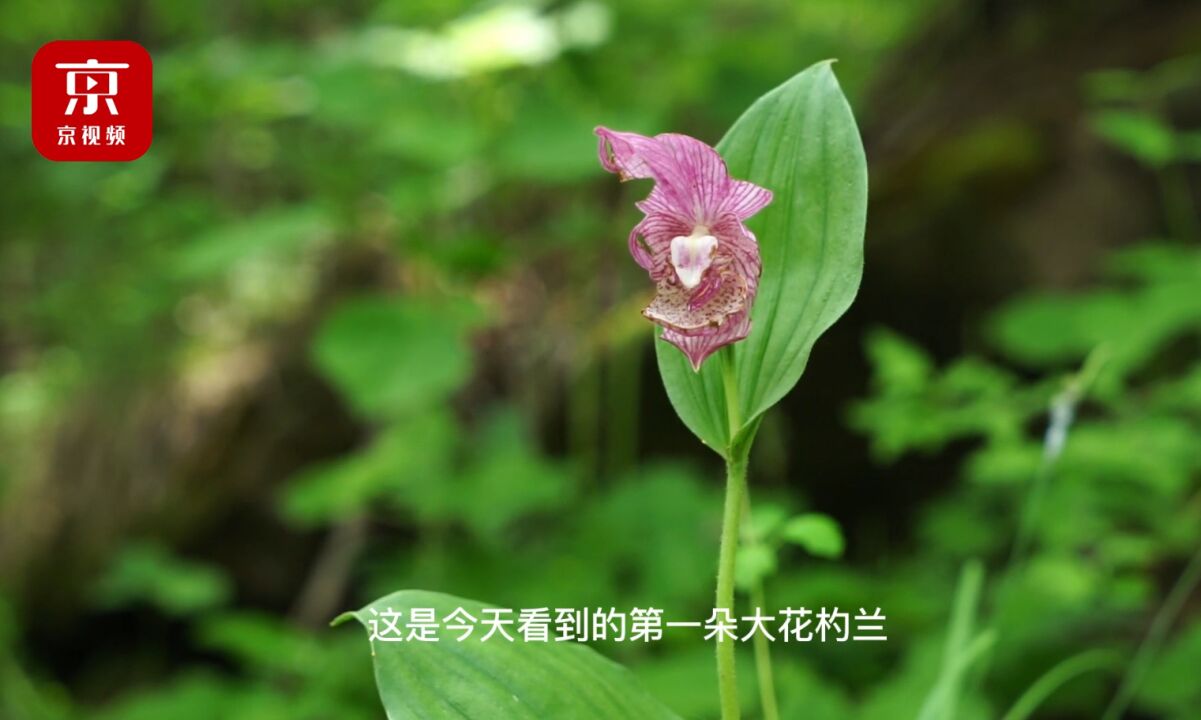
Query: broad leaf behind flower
[[800, 141]]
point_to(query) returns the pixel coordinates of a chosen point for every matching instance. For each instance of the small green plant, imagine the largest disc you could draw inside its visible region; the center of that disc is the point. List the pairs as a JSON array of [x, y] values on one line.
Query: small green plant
[[765, 302]]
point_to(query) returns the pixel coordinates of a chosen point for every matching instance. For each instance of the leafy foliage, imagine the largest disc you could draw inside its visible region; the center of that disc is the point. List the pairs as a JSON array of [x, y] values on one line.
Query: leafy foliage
[[770, 528], [409, 196], [1116, 485], [148, 573], [393, 357]]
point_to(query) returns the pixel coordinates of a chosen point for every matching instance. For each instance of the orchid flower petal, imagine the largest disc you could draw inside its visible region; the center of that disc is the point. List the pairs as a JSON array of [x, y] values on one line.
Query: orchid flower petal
[[698, 346], [692, 241], [744, 199]]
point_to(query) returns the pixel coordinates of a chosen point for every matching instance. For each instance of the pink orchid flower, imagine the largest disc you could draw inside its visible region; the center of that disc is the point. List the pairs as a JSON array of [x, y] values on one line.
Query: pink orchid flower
[[693, 241]]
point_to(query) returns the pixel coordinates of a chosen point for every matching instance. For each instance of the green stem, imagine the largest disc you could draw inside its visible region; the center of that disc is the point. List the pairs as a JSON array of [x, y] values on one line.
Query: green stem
[[767, 681], [1057, 677], [762, 647], [728, 552], [1030, 514], [736, 460], [1063, 414], [1178, 203], [1171, 607]]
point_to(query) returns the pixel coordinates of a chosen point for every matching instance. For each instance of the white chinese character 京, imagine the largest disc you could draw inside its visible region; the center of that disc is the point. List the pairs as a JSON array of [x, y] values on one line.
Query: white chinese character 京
[[423, 624], [869, 627], [646, 624], [460, 620], [387, 627], [835, 623], [91, 80], [534, 624], [493, 618], [721, 624], [114, 135], [66, 135], [758, 623], [795, 627]]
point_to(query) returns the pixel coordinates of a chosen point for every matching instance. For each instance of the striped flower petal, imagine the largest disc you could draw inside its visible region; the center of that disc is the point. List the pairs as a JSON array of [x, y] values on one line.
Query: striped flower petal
[[706, 286]]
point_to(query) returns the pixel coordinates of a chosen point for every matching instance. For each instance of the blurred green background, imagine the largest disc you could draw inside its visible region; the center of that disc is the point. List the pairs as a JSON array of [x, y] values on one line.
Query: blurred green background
[[363, 319]]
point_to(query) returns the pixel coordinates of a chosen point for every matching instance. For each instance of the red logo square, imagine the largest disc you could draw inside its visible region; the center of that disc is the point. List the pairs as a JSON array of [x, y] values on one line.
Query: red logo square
[[92, 100]]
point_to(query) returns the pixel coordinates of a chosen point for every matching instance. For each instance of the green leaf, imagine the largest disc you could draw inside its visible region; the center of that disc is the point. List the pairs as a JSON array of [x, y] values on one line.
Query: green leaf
[[756, 562], [496, 678], [406, 464], [650, 534], [1142, 135], [818, 534], [148, 572], [391, 357], [1115, 85], [799, 141], [508, 478], [260, 641], [270, 234], [764, 521]]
